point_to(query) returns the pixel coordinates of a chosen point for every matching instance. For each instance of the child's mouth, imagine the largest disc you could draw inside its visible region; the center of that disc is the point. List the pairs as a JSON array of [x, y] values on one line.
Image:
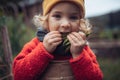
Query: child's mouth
[[64, 47], [65, 42], [64, 35]]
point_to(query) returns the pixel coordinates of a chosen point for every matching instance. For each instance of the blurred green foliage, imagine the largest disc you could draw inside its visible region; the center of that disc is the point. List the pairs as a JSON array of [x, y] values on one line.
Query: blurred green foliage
[[18, 33], [110, 68], [106, 34], [2, 20], [109, 34]]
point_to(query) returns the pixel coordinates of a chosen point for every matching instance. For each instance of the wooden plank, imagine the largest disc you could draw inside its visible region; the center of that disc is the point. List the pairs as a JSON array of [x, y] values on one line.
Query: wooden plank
[[7, 50]]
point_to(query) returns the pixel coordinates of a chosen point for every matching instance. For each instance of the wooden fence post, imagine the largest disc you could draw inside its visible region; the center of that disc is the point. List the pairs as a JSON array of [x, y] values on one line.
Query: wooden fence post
[[6, 48]]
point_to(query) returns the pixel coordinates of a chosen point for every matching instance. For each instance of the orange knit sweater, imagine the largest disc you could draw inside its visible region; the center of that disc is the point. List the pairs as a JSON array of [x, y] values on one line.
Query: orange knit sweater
[[33, 60]]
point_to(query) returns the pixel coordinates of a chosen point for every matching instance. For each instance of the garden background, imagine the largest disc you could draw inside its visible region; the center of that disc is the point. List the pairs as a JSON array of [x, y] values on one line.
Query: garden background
[[17, 28]]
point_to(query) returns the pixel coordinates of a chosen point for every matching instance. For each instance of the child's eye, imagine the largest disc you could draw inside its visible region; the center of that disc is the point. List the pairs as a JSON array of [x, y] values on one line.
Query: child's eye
[[57, 16], [74, 17]]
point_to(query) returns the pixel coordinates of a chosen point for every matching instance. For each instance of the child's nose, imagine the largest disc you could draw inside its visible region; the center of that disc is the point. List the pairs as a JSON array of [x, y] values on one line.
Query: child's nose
[[65, 24]]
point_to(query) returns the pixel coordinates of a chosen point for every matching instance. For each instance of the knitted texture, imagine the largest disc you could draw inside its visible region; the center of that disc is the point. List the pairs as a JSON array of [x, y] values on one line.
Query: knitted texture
[[34, 59], [87, 67], [48, 4]]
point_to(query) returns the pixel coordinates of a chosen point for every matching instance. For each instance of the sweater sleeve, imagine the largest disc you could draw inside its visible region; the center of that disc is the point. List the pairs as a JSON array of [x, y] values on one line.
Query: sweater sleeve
[[31, 61], [85, 66]]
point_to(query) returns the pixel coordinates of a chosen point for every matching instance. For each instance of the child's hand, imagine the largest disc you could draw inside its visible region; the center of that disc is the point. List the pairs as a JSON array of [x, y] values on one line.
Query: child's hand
[[77, 40], [52, 40]]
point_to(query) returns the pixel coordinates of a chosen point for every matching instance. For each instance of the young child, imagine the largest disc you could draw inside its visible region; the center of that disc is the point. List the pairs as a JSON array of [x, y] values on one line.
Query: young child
[[60, 50]]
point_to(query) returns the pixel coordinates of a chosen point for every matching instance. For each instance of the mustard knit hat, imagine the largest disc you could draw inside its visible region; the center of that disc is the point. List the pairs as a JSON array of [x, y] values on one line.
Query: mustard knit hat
[[48, 4]]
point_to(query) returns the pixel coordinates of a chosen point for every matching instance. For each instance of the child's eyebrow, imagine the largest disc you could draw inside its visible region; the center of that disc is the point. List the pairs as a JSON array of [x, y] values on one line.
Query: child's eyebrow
[[71, 13], [59, 12], [75, 13]]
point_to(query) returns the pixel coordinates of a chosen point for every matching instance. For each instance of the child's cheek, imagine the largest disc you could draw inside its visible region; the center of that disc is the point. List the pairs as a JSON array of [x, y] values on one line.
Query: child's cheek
[[54, 27], [76, 27]]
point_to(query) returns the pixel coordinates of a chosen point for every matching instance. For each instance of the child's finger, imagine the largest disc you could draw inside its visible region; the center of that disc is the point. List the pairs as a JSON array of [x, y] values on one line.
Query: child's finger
[[75, 41], [76, 35], [54, 36], [82, 34], [53, 40], [56, 43], [53, 32], [72, 39]]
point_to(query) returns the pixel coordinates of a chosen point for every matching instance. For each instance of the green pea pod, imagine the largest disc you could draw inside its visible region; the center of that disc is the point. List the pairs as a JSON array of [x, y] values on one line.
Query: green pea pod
[[65, 41]]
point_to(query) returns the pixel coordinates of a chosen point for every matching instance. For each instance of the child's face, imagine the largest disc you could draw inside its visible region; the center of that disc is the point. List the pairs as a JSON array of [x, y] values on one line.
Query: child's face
[[64, 17]]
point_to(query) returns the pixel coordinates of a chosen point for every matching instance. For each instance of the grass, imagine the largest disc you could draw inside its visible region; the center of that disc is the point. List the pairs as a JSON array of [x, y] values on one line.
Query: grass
[[110, 68]]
